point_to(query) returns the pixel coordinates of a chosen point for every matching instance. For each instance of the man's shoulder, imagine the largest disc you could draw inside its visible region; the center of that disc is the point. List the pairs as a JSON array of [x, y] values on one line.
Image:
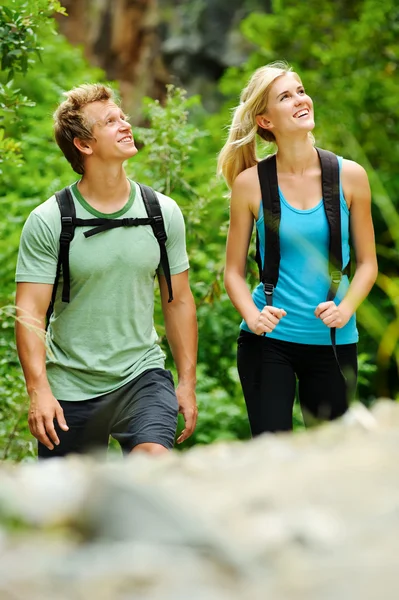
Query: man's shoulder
[[45, 216], [47, 210], [167, 204]]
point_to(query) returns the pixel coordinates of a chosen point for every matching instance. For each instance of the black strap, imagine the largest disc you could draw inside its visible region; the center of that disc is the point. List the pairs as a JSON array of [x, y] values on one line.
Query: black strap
[[68, 217], [331, 196], [153, 209], [267, 172], [105, 224]]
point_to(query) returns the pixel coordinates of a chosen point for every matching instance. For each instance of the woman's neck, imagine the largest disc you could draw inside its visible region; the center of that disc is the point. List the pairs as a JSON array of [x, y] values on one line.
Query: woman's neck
[[296, 157]]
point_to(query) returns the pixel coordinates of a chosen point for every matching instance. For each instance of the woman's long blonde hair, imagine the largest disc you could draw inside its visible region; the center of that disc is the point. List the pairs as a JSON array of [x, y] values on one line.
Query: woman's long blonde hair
[[239, 151]]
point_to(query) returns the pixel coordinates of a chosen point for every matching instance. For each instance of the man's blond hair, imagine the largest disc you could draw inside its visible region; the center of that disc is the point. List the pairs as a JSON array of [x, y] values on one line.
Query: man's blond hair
[[70, 121]]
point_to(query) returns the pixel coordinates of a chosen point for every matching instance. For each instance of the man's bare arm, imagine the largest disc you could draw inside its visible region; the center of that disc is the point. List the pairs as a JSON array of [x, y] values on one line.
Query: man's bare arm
[[32, 301], [182, 334]]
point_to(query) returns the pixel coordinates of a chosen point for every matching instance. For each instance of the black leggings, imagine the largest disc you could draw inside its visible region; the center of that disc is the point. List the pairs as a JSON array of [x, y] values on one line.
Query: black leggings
[[269, 370]]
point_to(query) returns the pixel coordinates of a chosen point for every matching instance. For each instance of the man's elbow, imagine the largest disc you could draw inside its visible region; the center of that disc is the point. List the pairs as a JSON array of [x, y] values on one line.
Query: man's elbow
[[181, 301]]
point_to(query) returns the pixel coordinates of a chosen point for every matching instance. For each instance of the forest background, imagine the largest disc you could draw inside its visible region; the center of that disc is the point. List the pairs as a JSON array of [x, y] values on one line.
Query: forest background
[[347, 55]]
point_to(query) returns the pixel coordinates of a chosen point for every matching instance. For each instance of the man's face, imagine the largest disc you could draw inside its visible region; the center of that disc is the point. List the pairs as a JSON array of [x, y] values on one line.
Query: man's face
[[112, 132]]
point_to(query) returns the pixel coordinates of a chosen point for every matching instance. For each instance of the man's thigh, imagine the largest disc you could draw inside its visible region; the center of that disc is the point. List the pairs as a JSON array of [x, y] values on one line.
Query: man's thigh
[[81, 435], [147, 411]]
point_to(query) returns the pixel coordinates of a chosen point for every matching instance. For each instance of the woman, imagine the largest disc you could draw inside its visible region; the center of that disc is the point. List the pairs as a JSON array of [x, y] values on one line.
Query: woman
[[290, 341]]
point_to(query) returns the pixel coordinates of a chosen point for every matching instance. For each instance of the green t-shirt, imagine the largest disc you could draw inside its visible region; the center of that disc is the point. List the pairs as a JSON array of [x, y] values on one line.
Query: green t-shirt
[[105, 336]]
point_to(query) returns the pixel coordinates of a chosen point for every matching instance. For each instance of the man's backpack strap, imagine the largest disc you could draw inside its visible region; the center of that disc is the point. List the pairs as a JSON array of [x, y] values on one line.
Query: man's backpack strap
[[68, 216], [153, 209], [267, 172]]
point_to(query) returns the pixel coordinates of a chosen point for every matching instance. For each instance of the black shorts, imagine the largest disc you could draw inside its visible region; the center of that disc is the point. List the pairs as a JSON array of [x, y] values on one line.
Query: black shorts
[[144, 410]]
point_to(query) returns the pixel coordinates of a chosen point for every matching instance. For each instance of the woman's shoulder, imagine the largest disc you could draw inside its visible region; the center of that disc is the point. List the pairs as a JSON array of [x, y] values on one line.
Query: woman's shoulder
[[354, 179], [247, 180], [246, 187], [352, 169]]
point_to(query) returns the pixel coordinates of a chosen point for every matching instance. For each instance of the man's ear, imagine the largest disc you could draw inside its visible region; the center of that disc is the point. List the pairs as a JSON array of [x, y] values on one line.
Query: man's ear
[[263, 122], [83, 146]]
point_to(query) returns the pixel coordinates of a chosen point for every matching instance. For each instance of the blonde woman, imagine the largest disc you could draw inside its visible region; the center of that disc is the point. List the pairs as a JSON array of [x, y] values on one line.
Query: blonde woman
[[289, 341]]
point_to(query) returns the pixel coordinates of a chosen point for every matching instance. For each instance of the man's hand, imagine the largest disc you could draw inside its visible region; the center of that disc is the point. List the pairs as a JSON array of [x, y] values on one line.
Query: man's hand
[[188, 408], [44, 408], [267, 320], [332, 315]]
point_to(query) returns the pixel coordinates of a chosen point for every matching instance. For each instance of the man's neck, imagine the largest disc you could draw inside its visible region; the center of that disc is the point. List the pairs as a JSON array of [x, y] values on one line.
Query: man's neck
[[106, 192]]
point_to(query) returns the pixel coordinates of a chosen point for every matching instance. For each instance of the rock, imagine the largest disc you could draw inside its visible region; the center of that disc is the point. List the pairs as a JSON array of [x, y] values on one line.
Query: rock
[[304, 516]]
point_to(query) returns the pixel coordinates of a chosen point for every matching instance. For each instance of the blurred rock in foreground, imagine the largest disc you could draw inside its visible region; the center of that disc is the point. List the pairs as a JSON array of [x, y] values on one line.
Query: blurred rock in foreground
[[309, 516]]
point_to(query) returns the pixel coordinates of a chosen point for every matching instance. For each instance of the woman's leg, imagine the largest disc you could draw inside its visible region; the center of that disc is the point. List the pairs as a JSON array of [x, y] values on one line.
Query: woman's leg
[[268, 382], [324, 391]]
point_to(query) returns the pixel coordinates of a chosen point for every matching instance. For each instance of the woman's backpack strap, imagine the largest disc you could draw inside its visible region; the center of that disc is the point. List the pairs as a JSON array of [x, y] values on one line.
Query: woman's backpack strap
[[267, 173]]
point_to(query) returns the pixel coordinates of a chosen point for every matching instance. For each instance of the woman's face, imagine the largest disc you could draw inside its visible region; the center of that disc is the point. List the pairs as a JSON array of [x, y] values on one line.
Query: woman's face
[[289, 108]]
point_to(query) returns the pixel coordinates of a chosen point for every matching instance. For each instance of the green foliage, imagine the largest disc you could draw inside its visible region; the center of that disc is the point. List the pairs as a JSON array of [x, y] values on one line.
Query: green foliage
[[15, 441], [10, 152], [168, 141], [221, 416], [20, 23]]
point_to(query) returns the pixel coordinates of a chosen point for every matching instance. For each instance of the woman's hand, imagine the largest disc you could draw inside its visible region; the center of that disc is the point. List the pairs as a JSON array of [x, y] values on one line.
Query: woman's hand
[[332, 315], [267, 320]]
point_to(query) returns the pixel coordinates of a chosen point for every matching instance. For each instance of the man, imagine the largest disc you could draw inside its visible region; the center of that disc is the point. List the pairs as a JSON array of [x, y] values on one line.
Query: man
[[104, 371]]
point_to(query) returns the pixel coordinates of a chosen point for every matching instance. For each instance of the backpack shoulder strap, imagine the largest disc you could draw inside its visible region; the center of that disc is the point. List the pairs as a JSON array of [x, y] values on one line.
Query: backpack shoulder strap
[[331, 199], [267, 173], [68, 215], [154, 211], [332, 206]]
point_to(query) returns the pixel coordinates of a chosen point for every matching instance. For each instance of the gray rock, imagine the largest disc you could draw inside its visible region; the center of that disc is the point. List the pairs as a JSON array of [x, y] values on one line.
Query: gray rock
[[306, 516]]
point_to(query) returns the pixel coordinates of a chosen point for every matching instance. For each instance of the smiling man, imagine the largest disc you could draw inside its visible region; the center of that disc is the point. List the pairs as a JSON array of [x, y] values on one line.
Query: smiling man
[[101, 371]]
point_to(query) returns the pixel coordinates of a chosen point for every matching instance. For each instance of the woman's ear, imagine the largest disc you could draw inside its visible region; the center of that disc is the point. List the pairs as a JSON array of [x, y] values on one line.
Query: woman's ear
[[83, 146], [263, 122]]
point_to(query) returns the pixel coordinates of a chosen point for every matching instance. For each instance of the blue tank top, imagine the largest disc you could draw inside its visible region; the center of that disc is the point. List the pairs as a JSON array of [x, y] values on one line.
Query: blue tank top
[[303, 276]]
